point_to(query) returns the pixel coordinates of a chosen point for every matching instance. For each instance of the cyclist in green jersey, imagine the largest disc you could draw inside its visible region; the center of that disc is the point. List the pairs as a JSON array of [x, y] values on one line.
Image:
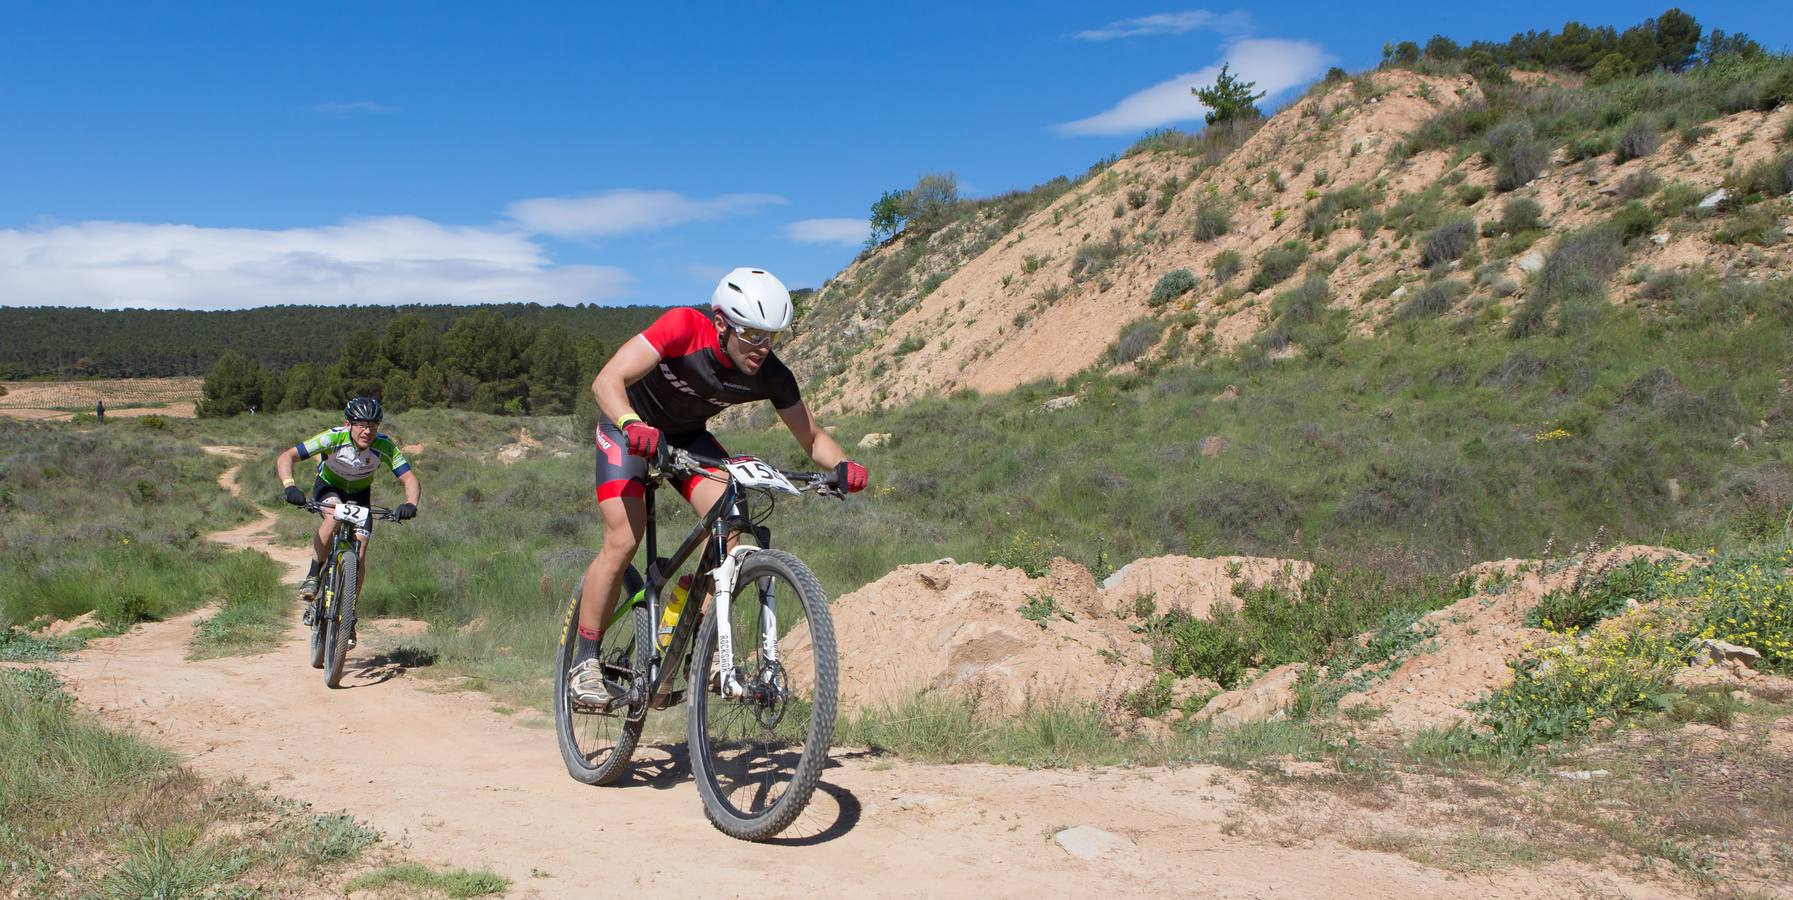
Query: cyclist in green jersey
[[348, 457]]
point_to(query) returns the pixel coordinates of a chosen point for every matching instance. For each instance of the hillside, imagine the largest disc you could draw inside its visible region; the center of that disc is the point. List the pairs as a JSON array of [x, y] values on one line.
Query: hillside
[[1350, 184]]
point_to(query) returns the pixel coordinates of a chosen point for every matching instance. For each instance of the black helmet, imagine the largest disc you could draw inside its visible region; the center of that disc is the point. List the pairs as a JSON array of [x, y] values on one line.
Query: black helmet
[[362, 409]]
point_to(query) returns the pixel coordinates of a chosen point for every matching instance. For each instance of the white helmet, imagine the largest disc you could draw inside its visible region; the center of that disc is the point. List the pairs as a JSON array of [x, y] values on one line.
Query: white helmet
[[753, 298]]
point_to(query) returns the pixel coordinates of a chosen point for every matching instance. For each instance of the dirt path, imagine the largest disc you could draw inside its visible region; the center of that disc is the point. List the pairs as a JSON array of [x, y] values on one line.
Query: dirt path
[[460, 784]]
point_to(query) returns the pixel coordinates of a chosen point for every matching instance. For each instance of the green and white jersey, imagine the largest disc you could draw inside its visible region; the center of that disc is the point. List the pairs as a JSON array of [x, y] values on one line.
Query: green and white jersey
[[346, 466]]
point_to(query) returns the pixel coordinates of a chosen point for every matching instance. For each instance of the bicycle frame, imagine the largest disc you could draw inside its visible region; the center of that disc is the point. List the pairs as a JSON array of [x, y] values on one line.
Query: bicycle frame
[[711, 534]]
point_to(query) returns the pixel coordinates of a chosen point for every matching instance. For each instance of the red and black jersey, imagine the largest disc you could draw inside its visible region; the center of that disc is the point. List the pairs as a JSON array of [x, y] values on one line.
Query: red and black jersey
[[695, 379]]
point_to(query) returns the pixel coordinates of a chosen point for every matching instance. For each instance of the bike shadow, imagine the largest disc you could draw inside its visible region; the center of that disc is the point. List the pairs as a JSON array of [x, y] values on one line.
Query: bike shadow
[[663, 766], [379, 668]]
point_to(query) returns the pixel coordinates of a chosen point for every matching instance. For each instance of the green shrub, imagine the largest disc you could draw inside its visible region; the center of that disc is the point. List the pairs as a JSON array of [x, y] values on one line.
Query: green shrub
[[1369, 222], [1756, 225], [1517, 155], [1302, 304], [1382, 287], [1322, 217], [1096, 256], [1769, 178], [1638, 141], [1678, 198], [1432, 300], [1521, 214], [1589, 146], [1226, 264], [1276, 264], [1448, 242], [1211, 220], [1134, 341], [1601, 596], [1639, 185], [1634, 220], [1471, 194], [1172, 285]]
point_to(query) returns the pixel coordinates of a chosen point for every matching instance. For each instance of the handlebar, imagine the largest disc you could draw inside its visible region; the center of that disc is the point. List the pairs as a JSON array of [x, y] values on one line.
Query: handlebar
[[825, 484], [379, 512]]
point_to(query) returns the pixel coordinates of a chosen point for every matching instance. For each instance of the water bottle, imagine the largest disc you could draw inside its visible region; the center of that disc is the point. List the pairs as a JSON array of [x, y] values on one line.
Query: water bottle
[[669, 617]]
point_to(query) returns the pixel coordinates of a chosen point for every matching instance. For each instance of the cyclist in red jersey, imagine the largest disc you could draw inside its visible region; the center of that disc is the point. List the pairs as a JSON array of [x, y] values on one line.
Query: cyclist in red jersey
[[664, 385]]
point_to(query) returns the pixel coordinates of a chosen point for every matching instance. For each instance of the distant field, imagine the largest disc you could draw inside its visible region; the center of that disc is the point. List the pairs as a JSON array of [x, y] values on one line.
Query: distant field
[[123, 397]]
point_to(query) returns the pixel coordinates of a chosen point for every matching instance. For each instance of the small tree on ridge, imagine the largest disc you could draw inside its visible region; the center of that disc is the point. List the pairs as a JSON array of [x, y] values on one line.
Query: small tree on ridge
[[1229, 98]]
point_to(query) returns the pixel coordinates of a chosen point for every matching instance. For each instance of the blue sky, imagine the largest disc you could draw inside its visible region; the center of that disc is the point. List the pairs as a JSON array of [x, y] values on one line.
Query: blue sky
[[230, 155]]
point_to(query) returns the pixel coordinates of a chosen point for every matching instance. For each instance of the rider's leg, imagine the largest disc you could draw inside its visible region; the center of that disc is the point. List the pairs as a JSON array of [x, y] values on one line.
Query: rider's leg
[[625, 520]]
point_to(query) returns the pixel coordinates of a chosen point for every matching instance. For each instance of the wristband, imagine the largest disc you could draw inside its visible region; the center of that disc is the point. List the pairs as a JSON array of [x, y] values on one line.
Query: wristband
[[623, 420]]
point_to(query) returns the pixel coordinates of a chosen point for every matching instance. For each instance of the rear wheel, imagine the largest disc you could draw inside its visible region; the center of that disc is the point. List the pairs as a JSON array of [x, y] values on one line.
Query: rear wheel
[[318, 629], [341, 616], [757, 759], [596, 744]]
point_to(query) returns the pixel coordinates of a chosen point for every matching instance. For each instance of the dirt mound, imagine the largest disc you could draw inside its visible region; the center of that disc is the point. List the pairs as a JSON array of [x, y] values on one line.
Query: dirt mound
[[1476, 637], [994, 634], [1195, 585]]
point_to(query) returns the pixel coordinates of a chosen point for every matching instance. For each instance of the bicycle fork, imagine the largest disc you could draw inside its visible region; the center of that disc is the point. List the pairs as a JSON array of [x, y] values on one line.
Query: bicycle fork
[[724, 575]]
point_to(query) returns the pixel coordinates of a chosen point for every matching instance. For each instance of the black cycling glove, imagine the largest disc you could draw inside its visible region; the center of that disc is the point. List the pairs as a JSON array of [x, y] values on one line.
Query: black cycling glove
[[295, 496], [405, 511]]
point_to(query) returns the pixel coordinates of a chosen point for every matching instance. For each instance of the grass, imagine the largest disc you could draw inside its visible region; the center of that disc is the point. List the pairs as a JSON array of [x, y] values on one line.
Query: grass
[[84, 808], [450, 882]]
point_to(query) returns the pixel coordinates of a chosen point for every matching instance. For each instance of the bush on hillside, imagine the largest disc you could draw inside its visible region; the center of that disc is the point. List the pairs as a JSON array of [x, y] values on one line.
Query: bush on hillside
[[1095, 256], [1574, 277], [1211, 221], [1323, 216], [1448, 242], [1634, 220], [1432, 300], [1517, 155], [1276, 264], [1302, 304], [1226, 264], [1134, 341], [1521, 214], [1174, 284], [1638, 141], [1638, 185]]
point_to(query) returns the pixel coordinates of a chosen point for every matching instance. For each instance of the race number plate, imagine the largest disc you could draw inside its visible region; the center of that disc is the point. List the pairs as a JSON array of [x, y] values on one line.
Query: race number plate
[[751, 472], [352, 514]]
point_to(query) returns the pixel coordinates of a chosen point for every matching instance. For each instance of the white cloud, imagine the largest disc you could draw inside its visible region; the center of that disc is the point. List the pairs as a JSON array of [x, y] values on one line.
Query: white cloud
[[850, 232], [1170, 24], [1276, 65], [397, 259], [626, 211], [354, 106]]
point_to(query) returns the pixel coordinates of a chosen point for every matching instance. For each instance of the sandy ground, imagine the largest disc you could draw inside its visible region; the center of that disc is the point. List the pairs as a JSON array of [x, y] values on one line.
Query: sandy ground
[[453, 782], [124, 397]]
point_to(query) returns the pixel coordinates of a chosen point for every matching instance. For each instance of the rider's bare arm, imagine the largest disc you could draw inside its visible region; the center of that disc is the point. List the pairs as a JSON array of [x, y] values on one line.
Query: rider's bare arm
[[413, 490], [632, 362], [283, 464], [814, 440]]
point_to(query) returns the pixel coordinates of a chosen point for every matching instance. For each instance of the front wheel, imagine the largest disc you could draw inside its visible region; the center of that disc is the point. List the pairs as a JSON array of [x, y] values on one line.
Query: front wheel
[[340, 617], [596, 744], [757, 759]]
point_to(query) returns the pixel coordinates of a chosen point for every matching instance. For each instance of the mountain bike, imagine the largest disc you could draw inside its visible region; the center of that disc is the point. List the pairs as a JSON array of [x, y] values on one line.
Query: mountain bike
[[333, 621], [757, 734]]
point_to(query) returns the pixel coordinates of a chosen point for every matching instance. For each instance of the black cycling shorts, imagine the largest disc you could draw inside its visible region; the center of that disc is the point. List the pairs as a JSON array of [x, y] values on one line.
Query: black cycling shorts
[[620, 474], [321, 489]]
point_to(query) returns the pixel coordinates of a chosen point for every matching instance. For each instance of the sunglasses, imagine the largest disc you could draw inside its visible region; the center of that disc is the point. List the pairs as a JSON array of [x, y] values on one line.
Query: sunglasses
[[756, 337]]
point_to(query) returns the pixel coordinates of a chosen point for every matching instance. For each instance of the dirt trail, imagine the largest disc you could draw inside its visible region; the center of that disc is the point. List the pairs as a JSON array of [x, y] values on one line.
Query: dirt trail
[[460, 784], [255, 535]]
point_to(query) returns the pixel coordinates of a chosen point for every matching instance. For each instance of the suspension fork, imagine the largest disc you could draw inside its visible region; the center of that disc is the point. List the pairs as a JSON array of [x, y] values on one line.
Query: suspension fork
[[724, 575]]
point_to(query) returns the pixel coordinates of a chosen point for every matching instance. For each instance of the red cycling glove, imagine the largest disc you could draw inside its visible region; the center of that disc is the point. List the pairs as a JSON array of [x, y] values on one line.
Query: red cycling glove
[[644, 439], [852, 476]]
